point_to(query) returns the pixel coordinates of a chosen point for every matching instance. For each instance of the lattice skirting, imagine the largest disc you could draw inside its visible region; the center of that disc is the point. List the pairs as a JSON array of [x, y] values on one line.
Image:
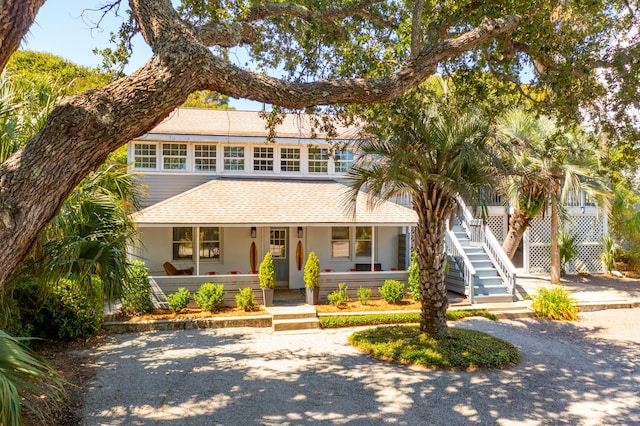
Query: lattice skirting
[[587, 259]]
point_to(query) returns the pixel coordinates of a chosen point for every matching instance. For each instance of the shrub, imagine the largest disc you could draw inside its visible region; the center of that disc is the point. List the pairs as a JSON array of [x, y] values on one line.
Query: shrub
[[71, 311], [364, 294], [267, 274], [568, 249], [414, 277], [338, 297], [312, 271], [136, 290], [609, 252], [392, 291], [179, 300], [555, 303], [395, 318], [210, 296], [245, 299]]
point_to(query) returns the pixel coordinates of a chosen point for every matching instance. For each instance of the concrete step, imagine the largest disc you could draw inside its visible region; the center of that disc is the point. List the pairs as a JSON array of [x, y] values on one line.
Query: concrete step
[[493, 298], [291, 312], [296, 324]]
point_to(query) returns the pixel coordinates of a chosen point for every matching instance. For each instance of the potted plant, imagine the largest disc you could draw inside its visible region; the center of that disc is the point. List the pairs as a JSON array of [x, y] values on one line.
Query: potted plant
[[312, 278], [267, 277]]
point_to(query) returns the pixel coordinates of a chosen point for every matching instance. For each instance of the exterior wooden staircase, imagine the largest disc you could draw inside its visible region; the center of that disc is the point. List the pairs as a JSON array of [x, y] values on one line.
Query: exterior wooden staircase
[[488, 286]]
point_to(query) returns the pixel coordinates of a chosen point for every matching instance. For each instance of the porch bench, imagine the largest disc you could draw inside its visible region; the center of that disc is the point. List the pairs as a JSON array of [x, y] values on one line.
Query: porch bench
[[366, 267]]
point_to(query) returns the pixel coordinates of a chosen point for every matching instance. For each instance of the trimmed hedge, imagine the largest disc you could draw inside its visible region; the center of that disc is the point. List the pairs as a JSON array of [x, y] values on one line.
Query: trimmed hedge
[[395, 318]]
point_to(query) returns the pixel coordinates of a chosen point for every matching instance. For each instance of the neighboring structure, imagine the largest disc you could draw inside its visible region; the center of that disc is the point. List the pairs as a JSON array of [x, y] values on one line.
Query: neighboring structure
[[219, 197]]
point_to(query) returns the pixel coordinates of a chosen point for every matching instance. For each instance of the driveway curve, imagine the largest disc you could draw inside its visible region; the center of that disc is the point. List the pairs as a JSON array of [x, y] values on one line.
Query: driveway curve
[[583, 373]]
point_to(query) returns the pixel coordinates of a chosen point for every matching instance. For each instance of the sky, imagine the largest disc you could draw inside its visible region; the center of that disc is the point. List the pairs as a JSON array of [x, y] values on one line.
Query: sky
[[64, 28]]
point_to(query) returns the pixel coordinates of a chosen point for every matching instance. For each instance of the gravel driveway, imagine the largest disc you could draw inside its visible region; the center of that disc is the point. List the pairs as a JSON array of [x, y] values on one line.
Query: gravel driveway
[[580, 373]]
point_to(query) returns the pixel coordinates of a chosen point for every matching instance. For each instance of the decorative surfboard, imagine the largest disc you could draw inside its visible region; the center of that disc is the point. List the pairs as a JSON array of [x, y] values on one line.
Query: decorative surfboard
[[253, 257], [299, 255]]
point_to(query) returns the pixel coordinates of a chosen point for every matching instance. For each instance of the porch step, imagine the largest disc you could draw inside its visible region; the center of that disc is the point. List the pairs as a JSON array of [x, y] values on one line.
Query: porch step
[[288, 318]]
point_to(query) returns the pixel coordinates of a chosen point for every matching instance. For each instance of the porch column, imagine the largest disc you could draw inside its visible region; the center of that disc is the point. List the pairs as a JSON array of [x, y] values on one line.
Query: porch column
[[196, 248], [373, 248]]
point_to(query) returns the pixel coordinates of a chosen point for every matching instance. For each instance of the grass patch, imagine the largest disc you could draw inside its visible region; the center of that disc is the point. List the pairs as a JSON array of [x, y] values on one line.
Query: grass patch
[[458, 350], [555, 303], [395, 318]]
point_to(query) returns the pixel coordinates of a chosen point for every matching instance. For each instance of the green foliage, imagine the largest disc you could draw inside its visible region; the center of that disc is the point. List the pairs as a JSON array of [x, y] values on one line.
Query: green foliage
[[555, 303], [267, 273], [179, 300], [395, 318], [312, 271], [609, 253], [339, 297], [460, 349], [568, 248], [207, 99], [245, 299], [392, 291], [210, 296], [414, 277], [26, 381], [364, 294], [136, 290]]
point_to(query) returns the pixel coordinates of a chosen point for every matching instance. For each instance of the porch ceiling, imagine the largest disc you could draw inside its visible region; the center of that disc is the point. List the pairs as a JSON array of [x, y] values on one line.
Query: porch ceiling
[[266, 202]]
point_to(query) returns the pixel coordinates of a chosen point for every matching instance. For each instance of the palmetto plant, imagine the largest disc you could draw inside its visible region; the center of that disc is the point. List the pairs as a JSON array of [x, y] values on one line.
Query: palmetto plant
[[432, 152], [547, 165], [24, 376]]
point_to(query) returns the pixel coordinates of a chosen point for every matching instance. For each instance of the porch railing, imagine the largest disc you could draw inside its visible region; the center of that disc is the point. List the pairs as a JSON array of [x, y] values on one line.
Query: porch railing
[[457, 252], [481, 234]]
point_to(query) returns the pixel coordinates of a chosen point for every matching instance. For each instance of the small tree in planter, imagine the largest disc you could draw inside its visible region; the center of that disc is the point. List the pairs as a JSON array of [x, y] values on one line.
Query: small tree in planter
[[312, 278], [267, 277]]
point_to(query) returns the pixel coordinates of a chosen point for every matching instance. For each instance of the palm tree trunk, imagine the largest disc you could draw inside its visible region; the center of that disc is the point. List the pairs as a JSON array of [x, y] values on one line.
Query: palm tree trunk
[[432, 261], [518, 224], [555, 248]]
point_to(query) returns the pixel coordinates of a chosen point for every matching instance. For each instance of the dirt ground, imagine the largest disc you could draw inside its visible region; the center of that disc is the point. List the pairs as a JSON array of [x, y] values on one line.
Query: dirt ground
[[75, 362]]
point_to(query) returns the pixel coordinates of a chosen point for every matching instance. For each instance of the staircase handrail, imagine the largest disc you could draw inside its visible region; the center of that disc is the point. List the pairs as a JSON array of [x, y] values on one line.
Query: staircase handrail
[[468, 271], [482, 234], [501, 261]]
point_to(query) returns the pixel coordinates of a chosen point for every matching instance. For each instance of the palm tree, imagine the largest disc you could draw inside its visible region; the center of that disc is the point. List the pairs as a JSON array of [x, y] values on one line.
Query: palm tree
[[548, 166], [431, 152]]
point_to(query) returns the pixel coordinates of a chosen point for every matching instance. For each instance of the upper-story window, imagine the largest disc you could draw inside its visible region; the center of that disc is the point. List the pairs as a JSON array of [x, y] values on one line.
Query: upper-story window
[[262, 159], [144, 156], [343, 160], [290, 159], [233, 158], [205, 158], [174, 156], [318, 160]]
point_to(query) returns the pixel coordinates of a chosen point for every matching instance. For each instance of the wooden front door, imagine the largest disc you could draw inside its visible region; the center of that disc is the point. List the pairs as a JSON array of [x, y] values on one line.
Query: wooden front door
[[278, 246]]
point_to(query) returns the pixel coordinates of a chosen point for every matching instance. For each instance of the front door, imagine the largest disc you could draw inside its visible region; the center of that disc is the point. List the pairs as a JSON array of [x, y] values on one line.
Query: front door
[[279, 250]]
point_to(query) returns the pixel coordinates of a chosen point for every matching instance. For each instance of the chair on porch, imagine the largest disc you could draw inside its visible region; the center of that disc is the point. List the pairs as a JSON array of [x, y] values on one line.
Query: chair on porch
[[172, 270]]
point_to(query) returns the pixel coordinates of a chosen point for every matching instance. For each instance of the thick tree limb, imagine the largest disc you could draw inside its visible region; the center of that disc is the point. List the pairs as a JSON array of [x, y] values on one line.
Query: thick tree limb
[[15, 20]]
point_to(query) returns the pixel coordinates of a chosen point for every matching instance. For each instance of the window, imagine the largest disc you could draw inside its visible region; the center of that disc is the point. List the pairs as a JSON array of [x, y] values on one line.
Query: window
[[262, 159], [290, 159], [363, 241], [340, 242], [210, 243], [318, 160], [144, 156], [174, 156], [182, 243], [205, 158], [343, 160], [234, 158], [278, 243]]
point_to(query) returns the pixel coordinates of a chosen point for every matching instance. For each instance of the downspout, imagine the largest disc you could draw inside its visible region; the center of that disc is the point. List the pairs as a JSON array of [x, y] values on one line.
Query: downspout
[[373, 248], [196, 248]]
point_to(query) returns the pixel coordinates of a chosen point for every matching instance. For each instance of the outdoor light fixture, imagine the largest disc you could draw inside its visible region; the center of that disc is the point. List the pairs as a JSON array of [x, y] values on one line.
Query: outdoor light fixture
[[300, 232], [253, 232]]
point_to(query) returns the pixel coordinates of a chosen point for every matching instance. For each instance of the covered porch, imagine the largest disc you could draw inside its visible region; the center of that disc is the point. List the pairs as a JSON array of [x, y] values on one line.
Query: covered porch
[[221, 230]]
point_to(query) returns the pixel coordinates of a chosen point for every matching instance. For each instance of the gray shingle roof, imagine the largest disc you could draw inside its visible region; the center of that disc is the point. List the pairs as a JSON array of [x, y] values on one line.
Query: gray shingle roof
[[271, 201]]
